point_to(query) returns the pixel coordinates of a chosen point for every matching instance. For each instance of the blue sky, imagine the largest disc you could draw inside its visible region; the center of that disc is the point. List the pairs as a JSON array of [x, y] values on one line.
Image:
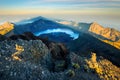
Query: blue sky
[[60, 7], [102, 11]]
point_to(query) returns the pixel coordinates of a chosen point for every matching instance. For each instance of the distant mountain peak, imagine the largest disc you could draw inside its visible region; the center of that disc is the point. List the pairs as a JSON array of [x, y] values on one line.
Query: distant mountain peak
[[31, 20], [37, 18], [94, 22]]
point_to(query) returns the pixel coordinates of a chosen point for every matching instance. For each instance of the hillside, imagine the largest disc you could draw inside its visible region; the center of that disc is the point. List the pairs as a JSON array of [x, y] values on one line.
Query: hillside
[[26, 57], [107, 35], [86, 44], [38, 24], [6, 27]]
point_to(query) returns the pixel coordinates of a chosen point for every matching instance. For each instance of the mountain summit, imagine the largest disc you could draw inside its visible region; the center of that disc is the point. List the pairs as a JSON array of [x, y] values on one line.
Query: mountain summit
[[30, 20]]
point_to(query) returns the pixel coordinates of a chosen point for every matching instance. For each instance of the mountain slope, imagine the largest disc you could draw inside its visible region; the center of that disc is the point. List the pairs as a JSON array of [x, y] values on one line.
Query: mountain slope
[[38, 24], [108, 33], [26, 57], [6, 27], [86, 44], [115, 43], [31, 59], [41, 26]]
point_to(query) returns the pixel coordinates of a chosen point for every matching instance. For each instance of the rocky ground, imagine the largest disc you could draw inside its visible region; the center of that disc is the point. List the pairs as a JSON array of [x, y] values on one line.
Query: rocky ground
[[42, 60], [22, 59]]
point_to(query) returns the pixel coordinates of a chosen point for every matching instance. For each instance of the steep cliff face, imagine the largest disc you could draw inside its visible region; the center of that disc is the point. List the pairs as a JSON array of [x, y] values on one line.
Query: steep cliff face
[[108, 33], [6, 27]]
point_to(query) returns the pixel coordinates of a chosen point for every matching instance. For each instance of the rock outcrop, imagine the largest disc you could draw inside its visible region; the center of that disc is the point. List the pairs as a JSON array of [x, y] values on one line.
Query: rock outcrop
[[20, 59], [6, 27], [104, 68], [58, 50]]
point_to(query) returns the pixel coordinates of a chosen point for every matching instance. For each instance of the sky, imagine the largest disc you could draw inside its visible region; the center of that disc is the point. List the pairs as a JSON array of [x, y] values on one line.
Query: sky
[[103, 11]]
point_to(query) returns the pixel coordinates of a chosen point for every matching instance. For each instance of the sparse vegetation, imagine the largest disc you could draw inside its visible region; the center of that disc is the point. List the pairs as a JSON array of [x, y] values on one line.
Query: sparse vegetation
[[105, 69], [76, 65], [92, 63], [110, 71], [70, 73], [86, 68], [59, 65]]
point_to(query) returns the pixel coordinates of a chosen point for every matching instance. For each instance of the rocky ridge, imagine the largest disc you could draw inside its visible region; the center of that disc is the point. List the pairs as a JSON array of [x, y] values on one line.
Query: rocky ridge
[[108, 33], [28, 57], [22, 59], [6, 27]]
